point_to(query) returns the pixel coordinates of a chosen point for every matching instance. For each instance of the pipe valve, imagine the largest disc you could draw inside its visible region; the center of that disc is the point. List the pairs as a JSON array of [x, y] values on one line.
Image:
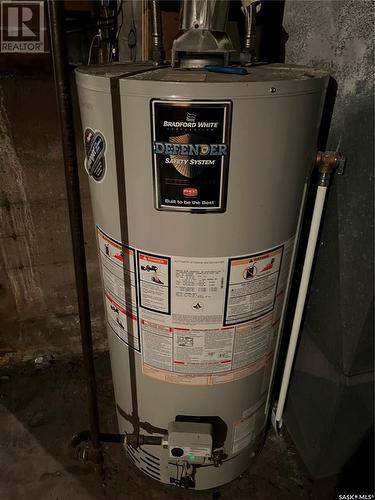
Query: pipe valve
[[327, 161]]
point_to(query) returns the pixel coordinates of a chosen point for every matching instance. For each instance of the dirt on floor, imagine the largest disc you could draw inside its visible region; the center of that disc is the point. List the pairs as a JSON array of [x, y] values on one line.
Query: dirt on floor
[[43, 403]]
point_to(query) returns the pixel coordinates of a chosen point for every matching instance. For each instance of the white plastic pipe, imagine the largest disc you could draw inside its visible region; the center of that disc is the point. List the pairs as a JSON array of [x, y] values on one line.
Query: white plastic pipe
[[300, 305]]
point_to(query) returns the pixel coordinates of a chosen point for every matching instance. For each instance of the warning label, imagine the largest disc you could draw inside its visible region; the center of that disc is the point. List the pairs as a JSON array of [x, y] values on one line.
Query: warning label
[[206, 295], [252, 422], [251, 286], [154, 282], [252, 341], [201, 321], [120, 288], [122, 322]]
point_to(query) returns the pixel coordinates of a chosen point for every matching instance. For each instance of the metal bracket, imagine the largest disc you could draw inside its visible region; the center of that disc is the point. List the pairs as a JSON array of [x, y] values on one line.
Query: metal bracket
[[341, 164]]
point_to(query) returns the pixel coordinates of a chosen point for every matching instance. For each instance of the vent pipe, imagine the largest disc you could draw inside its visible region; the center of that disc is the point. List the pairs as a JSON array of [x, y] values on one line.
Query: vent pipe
[[203, 39]]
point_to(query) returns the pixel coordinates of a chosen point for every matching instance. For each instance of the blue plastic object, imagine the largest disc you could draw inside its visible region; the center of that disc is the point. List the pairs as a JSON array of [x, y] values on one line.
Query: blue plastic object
[[235, 70]]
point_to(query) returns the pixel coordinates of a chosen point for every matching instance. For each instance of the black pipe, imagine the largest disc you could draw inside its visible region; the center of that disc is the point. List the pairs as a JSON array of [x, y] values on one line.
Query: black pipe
[[105, 437], [135, 440], [158, 53], [64, 104]]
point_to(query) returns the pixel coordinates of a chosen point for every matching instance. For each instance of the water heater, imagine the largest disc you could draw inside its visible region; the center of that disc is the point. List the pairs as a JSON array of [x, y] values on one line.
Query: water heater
[[197, 182]]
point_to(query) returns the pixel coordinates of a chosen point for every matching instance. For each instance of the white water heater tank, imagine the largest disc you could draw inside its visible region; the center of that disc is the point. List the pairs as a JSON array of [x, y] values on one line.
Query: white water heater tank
[[197, 183]]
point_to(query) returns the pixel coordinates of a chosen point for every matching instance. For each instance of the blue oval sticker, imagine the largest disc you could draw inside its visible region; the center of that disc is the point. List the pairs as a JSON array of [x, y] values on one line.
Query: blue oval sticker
[[95, 146]]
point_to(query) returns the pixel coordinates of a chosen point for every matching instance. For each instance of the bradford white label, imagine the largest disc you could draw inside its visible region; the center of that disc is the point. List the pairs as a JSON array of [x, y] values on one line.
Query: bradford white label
[[190, 154]]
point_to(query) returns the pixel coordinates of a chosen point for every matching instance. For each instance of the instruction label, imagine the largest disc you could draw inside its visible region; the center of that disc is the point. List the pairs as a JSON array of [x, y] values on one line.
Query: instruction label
[[252, 341], [204, 357], [203, 351], [154, 282], [117, 262], [190, 154], [251, 286], [198, 286], [198, 347], [157, 345], [200, 321]]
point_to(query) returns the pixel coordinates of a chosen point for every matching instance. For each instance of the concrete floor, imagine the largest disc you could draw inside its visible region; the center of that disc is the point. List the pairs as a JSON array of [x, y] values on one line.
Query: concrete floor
[[42, 405]]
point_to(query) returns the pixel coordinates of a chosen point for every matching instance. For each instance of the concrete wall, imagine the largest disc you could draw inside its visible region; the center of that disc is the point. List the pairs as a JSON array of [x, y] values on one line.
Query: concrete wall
[[38, 312], [330, 402]]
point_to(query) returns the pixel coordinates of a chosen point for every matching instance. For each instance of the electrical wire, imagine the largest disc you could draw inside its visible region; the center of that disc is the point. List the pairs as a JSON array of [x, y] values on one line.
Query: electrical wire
[[179, 471], [113, 45], [132, 35], [91, 46], [120, 11]]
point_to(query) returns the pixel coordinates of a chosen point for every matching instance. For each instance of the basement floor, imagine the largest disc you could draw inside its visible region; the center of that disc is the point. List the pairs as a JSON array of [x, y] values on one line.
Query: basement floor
[[41, 406]]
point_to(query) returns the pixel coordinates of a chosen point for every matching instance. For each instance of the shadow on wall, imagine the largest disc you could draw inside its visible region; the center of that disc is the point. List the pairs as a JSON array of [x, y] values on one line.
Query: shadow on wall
[[271, 32], [38, 313], [357, 475], [324, 129]]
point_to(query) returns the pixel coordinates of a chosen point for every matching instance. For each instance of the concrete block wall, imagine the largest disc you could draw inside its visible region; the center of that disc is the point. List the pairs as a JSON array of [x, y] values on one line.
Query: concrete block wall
[[335, 36], [330, 406]]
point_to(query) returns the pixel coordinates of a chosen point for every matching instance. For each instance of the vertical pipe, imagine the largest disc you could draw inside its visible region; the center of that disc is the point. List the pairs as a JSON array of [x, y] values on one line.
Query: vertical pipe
[[64, 102], [301, 299], [247, 55], [157, 37], [209, 15]]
